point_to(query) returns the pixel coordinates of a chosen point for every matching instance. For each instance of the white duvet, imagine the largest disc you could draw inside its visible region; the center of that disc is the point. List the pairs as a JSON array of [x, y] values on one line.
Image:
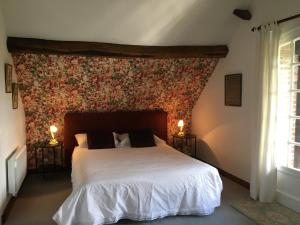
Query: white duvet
[[137, 184]]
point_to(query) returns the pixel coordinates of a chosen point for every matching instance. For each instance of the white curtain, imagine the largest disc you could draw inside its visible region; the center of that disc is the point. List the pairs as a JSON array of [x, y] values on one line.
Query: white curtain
[[264, 174]]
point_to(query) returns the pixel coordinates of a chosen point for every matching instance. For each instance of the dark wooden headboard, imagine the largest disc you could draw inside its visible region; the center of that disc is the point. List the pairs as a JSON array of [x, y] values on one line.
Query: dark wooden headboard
[[119, 121]]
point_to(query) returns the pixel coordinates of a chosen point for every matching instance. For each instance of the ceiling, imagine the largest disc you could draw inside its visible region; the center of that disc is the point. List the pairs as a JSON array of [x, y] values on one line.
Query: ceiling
[[140, 22]]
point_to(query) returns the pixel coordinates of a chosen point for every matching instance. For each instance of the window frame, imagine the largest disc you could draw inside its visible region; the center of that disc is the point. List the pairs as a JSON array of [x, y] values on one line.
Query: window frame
[[292, 90]]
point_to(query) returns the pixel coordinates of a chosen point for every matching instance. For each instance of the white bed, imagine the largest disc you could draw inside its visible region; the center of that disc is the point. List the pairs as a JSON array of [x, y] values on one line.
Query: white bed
[[137, 184]]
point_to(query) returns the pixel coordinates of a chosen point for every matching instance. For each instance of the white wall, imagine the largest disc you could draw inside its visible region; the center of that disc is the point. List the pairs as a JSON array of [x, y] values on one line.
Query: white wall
[[229, 131], [12, 122], [144, 22]]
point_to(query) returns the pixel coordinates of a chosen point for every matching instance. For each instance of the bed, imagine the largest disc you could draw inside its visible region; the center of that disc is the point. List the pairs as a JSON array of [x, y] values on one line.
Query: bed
[[133, 183]]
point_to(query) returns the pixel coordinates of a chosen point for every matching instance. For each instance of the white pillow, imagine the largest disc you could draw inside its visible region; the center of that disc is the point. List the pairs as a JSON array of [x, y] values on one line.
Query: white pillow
[[121, 140], [159, 141], [81, 140]]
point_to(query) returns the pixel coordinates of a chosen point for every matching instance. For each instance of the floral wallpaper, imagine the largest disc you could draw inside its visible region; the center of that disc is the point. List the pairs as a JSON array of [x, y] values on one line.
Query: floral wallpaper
[[52, 85]]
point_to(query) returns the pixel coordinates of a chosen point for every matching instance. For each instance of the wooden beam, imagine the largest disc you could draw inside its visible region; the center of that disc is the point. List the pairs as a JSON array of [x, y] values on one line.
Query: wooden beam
[[243, 14], [32, 45]]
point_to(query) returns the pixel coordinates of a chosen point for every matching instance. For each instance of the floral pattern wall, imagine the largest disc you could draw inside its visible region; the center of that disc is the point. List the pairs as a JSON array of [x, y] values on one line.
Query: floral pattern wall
[[52, 85]]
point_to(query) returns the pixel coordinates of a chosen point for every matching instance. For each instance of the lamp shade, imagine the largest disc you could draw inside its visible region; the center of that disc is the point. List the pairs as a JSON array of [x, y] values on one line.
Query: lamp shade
[[53, 129], [180, 123]]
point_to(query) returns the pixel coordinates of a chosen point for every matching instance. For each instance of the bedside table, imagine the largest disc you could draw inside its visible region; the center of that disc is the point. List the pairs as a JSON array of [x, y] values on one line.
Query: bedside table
[[186, 144], [54, 156]]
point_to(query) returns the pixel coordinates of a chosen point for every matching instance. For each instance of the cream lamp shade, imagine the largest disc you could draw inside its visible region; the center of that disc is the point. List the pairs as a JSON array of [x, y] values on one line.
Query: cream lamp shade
[[53, 130], [180, 125]]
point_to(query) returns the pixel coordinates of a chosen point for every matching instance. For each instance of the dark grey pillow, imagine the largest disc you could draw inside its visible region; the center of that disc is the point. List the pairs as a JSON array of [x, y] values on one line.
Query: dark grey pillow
[[141, 138], [100, 140]]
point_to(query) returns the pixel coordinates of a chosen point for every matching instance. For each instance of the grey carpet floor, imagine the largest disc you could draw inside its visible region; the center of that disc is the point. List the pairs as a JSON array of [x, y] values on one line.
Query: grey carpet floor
[[40, 197]]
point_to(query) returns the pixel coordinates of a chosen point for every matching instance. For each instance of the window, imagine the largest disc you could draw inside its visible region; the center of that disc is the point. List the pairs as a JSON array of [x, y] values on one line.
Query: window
[[289, 101]]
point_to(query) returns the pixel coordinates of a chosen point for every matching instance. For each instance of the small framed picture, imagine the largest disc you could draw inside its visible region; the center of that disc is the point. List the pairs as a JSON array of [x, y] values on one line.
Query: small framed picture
[[233, 90], [8, 78], [15, 94]]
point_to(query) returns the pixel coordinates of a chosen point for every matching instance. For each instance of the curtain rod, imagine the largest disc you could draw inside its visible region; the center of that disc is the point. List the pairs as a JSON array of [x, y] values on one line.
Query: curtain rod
[[278, 22]]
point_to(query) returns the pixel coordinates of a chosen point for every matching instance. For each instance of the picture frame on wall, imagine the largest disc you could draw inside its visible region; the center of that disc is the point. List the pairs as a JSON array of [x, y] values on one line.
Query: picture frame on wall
[[233, 90], [8, 78], [15, 94]]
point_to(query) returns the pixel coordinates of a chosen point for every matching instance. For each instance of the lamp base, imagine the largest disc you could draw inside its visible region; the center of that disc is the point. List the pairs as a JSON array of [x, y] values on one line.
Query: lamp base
[[53, 142], [180, 134]]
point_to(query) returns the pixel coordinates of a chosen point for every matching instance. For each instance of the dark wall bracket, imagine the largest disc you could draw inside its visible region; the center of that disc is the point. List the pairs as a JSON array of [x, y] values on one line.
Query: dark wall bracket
[[243, 14]]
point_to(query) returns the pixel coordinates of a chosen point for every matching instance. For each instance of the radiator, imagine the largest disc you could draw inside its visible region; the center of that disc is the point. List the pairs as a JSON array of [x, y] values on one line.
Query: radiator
[[16, 170]]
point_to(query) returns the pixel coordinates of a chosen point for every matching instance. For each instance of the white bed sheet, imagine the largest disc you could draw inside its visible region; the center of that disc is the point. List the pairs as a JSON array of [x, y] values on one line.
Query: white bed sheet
[[137, 184]]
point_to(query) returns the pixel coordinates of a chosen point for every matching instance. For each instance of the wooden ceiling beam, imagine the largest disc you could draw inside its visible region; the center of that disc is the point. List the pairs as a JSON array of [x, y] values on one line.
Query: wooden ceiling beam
[[32, 45]]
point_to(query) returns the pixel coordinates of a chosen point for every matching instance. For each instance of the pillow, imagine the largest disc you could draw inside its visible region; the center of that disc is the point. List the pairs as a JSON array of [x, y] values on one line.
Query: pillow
[[141, 138], [81, 140], [100, 140], [121, 140], [159, 141]]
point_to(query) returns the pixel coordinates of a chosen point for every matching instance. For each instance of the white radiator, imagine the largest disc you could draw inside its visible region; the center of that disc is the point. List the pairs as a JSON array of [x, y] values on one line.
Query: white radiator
[[16, 170]]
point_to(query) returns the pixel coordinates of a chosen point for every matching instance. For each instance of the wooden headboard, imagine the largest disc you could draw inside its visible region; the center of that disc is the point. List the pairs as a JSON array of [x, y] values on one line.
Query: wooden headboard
[[120, 121]]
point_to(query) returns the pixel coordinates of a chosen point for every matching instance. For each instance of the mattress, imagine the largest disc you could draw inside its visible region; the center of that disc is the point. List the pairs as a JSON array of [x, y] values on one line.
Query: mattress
[[137, 184]]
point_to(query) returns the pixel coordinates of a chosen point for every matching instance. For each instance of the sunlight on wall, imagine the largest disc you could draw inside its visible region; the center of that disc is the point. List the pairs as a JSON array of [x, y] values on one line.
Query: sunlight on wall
[[136, 22], [165, 18]]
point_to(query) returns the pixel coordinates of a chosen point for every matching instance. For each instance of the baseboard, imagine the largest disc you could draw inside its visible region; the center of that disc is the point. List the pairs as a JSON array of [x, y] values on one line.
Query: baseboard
[[288, 201], [230, 176], [33, 171], [39, 171], [7, 209], [235, 179]]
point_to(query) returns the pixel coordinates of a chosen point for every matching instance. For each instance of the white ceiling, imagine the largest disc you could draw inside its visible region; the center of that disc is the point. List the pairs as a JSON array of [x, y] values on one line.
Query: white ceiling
[[141, 22]]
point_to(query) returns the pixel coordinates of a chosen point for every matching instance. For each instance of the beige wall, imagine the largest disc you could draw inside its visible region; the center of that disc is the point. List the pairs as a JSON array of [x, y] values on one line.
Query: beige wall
[[12, 125], [230, 131]]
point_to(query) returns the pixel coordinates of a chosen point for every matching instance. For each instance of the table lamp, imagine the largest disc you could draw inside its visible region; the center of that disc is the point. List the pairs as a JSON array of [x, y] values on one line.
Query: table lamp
[[53, 130], [180, 125]]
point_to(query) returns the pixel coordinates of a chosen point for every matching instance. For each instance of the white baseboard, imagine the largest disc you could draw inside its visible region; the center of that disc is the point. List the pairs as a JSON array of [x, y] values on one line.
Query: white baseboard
[[288, 200]]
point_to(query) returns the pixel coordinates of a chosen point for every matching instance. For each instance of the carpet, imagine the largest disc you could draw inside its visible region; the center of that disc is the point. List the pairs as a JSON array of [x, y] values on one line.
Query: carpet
[[267, 213]]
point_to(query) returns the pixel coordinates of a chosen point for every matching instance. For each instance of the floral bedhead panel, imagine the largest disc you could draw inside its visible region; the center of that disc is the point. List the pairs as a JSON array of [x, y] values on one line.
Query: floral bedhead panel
[[52, 85]]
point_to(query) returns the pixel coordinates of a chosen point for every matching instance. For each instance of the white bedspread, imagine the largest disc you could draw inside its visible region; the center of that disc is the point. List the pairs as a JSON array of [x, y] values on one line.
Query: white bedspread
[[137, 184]]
